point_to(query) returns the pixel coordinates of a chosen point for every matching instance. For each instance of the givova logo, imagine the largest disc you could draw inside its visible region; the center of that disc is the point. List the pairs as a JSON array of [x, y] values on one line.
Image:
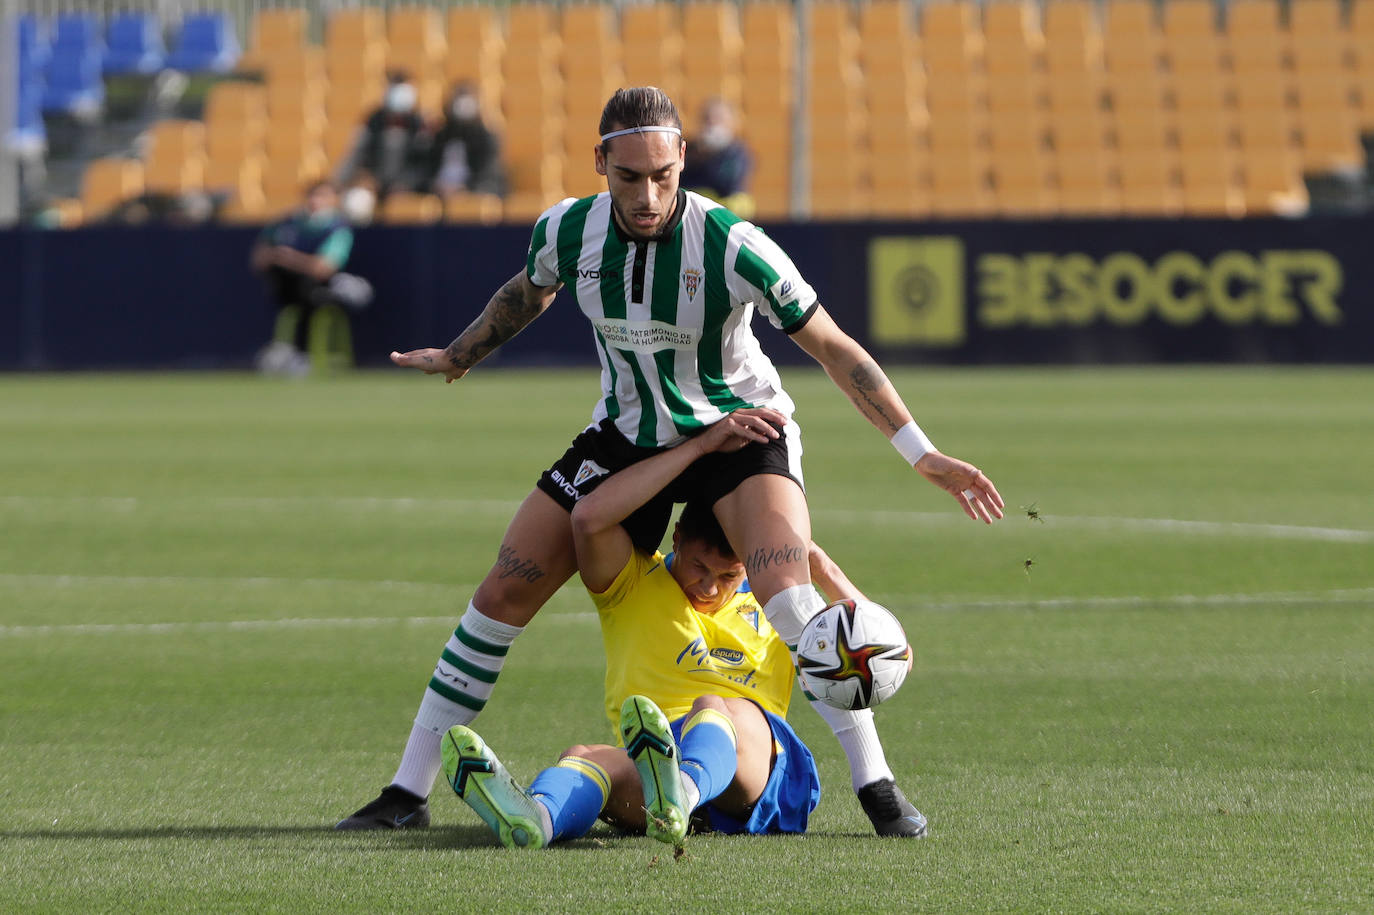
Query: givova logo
[[916, 291]]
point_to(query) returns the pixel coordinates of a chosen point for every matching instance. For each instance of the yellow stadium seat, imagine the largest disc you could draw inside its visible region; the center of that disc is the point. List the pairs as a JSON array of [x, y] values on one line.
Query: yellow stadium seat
[[1141, 130], [1075, 92], [1273, 184], [235, 141], [959, 185], [1263, 131], [524, 207], [1307, 17], [1262, 92], [108, 182], [1204, 131], [1210, 186], [409, 209], [1148, 183], [1256, 53], [1083, 182], [1131, 37], [235, 102], [1190, 17], [1330, 140], [355, 30], [274, 31], [484, 209], [1079, 131], [951, 35], [959, 132]]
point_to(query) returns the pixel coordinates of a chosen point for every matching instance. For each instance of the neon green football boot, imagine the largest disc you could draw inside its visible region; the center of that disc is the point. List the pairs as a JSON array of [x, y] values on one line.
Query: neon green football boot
[[649, 741], [477, 776]]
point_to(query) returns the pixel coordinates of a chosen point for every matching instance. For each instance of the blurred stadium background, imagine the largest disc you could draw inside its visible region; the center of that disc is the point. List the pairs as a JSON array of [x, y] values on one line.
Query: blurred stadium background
[[1191, 171]]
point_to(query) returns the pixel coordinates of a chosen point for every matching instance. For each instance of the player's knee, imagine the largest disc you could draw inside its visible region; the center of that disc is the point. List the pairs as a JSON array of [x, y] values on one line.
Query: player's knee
[[580, 750], [711, 702]]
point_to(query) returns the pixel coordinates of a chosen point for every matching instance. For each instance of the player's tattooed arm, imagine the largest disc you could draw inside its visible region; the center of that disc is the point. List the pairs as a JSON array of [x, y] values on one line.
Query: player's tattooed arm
[[509, 311], [865, 382], [854, 372]]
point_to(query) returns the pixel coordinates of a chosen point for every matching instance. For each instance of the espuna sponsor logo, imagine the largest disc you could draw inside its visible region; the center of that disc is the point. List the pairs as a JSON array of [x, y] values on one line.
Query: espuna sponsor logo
[[1277, 288]]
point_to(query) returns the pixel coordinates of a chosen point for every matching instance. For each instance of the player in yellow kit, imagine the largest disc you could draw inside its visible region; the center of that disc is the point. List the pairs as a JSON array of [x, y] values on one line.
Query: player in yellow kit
[[697, 683]]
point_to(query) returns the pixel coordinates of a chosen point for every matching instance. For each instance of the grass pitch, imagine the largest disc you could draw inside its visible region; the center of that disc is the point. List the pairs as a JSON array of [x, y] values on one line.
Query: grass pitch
[[221, 597]]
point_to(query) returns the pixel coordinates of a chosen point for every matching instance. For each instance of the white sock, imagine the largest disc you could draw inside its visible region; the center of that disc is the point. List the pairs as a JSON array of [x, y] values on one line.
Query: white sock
[[859, 739], [789, 610], [545, 820], [462, 683], [690, 792]]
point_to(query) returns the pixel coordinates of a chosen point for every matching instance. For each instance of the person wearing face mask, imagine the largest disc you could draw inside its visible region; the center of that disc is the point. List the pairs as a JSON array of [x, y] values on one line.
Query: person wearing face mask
[[718, 163], [300, 259], [393, 144], [465, 154]]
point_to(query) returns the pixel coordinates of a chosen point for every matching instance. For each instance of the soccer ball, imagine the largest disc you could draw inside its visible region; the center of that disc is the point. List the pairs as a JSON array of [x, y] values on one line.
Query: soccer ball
[[853, 654]]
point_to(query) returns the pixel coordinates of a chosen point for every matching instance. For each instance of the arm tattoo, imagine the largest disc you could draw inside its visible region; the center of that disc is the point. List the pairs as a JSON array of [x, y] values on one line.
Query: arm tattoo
[[505, 316], [864, 380]]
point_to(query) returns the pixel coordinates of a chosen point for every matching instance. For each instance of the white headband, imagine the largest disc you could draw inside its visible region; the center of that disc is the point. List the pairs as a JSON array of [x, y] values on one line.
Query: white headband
[[629, 130]]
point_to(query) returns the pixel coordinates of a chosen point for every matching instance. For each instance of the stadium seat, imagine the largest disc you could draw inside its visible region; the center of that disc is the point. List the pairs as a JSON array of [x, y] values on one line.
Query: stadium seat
[[951, 36], [72, 83], [134, 44], [1082, 178], [1148, 183], [1273, 183], [711, 65], [108, 182], [416, 43], [1209, 185], [476, 46], [652, 45], [405, 208], [274, 30], [472, 208], [1132, 41], [205, 43], [959, 184]]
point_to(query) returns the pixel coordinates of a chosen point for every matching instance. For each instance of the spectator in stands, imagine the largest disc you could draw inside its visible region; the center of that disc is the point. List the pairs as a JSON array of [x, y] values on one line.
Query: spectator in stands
[[300, 258], [718, 163], [393, 145], [465, 154]]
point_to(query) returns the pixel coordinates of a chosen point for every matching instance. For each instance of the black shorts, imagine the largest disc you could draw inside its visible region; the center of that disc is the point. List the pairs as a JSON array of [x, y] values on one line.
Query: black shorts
[[599, 451]]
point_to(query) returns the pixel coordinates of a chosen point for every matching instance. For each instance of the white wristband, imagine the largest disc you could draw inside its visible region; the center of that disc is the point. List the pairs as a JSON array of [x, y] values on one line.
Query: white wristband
[[911, 443]]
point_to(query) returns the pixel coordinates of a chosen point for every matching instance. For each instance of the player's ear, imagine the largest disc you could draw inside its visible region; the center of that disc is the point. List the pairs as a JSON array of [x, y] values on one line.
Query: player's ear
[[600, 158], [677, 537]]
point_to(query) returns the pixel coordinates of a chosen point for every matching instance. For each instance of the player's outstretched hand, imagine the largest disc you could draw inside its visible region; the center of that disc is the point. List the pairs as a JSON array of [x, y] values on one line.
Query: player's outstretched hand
[[750, 424], [975, 493], [431, 362]]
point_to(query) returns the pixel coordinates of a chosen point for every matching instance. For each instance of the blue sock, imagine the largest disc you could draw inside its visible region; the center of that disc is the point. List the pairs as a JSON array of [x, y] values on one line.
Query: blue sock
[[708, 752], [574, 791]]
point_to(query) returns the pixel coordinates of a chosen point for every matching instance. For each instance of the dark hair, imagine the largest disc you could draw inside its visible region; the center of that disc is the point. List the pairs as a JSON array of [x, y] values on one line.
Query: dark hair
[[698, 522], [642, 106]]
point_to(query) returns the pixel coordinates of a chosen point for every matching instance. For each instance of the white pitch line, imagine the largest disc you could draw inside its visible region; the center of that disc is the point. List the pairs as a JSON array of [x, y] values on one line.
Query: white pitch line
[[905, 604], [1170, 525], [130, 504]]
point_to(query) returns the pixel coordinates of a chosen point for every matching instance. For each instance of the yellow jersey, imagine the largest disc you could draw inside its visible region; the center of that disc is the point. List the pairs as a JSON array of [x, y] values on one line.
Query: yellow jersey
[[658, 645]]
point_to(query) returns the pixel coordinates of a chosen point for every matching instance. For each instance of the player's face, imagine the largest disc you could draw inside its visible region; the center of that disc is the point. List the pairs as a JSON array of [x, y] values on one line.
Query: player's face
[[642, 171], [705, 576]]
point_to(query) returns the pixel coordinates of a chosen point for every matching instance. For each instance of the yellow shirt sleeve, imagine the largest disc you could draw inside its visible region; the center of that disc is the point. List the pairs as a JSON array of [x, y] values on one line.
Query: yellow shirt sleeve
[[624, 582]]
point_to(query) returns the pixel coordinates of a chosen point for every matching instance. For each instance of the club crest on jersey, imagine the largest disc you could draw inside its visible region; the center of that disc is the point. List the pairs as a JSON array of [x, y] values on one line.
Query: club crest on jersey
[[691, 281], [588, 470]]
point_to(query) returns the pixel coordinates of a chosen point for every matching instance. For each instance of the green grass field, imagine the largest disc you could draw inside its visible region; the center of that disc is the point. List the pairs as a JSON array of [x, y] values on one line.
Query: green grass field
[[221, 598]]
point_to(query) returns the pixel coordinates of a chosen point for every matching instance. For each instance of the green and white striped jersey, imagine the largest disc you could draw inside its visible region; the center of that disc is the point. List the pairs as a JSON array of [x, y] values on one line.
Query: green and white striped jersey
[[671, 317]]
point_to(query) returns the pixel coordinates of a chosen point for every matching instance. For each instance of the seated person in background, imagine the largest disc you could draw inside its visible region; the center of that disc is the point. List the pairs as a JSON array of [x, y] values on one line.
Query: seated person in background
[[697, 683], [393, 144], [465, 155], [718, 163], [300, 258]]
